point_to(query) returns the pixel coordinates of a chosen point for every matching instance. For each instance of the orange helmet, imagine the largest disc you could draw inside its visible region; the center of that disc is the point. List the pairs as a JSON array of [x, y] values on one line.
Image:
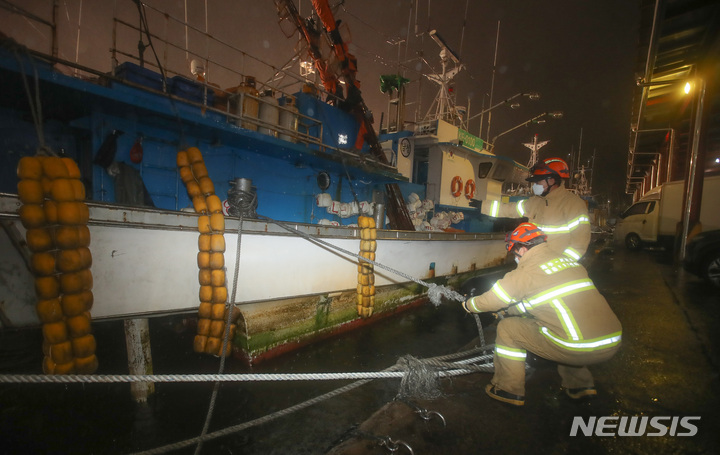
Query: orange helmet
[[549, 167], [526, 234]]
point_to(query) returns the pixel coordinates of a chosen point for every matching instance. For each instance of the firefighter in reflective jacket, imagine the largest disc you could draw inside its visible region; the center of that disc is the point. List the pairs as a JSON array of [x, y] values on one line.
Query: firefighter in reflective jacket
[[562, 215], [563, 318]]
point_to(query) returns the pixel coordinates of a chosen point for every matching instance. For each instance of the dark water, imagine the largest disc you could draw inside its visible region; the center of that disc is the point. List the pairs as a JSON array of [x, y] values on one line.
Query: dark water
[[102, 418]]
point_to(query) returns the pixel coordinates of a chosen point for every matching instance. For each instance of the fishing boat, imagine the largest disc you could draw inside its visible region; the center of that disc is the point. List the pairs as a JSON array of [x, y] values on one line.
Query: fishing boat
[[232, 201]]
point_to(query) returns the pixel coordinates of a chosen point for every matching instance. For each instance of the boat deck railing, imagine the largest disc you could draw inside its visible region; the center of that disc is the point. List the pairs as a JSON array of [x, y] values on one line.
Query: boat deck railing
[[165, 53]]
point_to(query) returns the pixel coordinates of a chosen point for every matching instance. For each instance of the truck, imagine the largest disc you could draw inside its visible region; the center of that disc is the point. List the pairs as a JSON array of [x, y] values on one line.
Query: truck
[[654, 218]]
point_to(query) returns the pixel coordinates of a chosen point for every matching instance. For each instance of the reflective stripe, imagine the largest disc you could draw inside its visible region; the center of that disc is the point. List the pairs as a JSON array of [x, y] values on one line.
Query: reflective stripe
[[582, 219], [521, 307], [572, 253], [561, 291], [586, 345], [521, 207], [501, 294], [494, 208], [511, 353], [567, 320], [558, 264], [472, 304]]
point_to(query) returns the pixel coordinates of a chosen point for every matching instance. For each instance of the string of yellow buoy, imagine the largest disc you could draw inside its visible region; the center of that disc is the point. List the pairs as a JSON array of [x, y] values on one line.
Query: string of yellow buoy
[[211, 258], [366, 272], [55, 217]]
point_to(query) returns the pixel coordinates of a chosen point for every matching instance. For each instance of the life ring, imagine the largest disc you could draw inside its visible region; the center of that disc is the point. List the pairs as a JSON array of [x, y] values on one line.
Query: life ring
[[470, 189], [457, 186]]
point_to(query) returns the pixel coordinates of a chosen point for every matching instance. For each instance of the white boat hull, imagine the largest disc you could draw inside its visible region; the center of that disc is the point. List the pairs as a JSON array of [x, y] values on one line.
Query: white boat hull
[[145, 264]]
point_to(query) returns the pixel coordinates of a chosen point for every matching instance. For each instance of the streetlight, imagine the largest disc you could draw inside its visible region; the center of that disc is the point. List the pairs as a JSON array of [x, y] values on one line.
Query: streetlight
[[531, 95], [554, 114]]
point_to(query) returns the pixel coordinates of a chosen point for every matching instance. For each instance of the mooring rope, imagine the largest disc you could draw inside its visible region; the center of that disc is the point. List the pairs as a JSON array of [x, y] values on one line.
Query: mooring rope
[[435, 291]]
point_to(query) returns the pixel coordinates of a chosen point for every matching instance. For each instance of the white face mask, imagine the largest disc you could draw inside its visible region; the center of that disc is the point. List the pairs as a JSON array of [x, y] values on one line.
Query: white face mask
[[538, 189], [517, 259]]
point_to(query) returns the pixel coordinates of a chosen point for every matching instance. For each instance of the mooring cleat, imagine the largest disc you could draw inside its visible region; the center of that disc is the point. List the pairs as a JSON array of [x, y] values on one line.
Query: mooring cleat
[[581, 392], [506, 397]]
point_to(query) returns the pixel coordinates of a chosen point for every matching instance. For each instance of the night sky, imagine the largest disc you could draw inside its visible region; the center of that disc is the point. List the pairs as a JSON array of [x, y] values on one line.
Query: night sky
[[578, 54]]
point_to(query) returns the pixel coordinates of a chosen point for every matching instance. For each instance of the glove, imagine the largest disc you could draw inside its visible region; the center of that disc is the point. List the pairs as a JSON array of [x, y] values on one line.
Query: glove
[[499, 315]]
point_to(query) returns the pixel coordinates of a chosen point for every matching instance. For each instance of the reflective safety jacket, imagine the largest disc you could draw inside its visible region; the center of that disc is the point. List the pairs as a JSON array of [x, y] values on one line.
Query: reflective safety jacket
[[562, 215], [556, 291]]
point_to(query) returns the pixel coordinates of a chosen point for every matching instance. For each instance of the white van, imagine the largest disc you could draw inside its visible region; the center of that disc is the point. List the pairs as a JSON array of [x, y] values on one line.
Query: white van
[[655, 217]]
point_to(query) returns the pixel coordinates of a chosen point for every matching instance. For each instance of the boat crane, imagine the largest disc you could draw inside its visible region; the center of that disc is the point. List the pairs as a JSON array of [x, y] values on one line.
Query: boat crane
[[352, 101]]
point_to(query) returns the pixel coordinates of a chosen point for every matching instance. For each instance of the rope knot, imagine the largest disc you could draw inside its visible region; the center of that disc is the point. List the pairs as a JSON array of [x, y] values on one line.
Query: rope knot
[[419, 381]]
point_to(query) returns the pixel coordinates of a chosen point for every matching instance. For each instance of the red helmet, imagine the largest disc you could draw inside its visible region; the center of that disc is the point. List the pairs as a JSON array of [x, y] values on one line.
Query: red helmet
[[526, 234], [549, 167]]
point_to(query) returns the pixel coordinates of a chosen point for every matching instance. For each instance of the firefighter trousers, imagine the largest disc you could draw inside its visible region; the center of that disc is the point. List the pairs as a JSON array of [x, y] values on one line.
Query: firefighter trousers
[[517, 335]]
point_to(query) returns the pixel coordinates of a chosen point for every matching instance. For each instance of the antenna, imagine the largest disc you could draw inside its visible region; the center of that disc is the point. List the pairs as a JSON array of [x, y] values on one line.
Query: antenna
[[444, 102]]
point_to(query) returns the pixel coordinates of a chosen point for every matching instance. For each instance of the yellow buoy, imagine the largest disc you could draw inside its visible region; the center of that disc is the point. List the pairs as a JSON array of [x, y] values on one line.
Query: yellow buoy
[[217, 222], [205, 277], [32, 215], [199, 204], [199, 343], [49, 310], [194, 155], [54, 168], [214, 203], [50, 209], [43, 264], [55, 332], [78, 326], [217, 261], [206, 293], [61, 352], [73, 171], [47, 287], [203, 326], [205, 310], [67, 237], [29, 167], [69, 261], [218, 243], [31, 192], [217, 277], [219, 294], [76, 304], [84, 346], [62, 190], [199, 171], [86, 365], [182, 159]]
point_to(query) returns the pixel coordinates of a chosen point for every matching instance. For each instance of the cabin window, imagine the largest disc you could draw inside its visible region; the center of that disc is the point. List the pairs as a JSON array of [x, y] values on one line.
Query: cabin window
[[501, 172], [640, 208], [484, 170]]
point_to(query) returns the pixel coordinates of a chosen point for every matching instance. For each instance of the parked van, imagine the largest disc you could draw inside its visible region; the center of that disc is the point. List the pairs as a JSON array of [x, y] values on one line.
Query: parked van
[[655, 217]]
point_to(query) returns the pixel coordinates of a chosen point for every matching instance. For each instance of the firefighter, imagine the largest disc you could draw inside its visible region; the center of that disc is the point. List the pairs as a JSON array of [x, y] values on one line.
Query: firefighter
[[563, 318], [561, 214]]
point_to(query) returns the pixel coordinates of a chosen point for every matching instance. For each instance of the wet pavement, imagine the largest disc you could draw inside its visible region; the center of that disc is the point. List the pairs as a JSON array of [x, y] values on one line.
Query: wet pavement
[[667, 366]]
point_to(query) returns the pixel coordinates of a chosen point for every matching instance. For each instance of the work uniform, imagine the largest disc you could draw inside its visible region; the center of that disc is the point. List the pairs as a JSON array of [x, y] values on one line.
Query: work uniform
[[563, 318], [562, 216]]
